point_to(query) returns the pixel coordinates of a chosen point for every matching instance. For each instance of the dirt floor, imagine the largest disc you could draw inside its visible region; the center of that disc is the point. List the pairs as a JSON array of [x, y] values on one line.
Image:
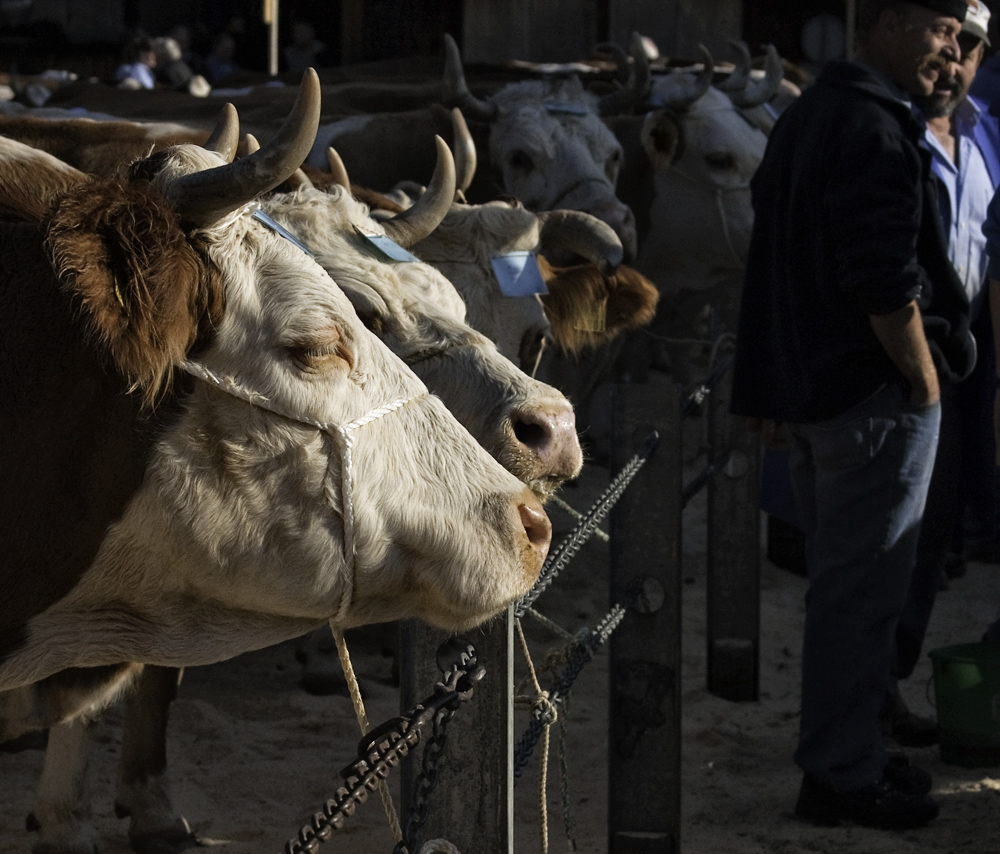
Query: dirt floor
[[252, 755]]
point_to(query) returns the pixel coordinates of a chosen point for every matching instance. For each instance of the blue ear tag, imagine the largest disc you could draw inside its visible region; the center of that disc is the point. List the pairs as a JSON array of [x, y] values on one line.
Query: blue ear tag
[[565, 107], [518, 274], [393, 251], [264, 218]]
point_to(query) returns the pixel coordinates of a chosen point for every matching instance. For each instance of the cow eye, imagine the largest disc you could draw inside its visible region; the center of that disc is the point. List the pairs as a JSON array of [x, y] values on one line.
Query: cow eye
[[720, 160], [322, 356], [520, 160]]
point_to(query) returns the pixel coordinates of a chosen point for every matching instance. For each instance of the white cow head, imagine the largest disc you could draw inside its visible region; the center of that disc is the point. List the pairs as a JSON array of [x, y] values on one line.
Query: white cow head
[[704, 151], [550, 145], [308, 474], [526, 425]]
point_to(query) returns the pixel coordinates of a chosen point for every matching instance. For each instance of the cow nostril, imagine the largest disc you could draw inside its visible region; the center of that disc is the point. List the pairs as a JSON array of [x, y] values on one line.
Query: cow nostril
[[529, 434]]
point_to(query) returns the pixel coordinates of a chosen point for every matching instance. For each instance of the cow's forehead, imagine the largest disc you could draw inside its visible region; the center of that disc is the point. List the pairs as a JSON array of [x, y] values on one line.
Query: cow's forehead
[[184, 160]]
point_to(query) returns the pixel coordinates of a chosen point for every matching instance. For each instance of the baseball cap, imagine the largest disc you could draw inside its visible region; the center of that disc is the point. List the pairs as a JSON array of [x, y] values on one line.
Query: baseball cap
[[977, 20]]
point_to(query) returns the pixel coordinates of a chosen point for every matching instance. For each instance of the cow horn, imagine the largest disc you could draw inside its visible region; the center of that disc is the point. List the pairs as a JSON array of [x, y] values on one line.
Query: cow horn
[[203, 198], [414, 224], [583, 234], [455, 92], [638, 83], [740, 76], [760, 91], [226, 136], [338, 171], [688, 94], [620, 57], [298, 179], [465, 151]]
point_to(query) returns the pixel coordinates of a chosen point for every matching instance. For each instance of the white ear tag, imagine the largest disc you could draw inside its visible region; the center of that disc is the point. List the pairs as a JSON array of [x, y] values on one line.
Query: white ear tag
[[264, 218], [518, 274], [386, 246], [565, 108]]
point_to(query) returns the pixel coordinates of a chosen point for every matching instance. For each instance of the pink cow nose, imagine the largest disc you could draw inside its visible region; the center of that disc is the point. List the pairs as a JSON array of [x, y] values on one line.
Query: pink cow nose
[[548, 433], [538, 530]]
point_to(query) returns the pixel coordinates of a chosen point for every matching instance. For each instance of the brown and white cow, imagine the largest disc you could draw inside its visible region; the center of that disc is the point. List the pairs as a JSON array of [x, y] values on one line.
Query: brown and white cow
[[301, 472]]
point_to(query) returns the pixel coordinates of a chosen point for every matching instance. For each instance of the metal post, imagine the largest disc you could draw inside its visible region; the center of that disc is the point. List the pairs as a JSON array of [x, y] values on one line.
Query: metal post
[[473, 803], [644, 762], [733, 550]]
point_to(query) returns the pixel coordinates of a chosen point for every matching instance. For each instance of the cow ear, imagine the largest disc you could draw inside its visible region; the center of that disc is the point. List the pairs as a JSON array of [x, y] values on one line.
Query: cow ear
[[625, 300], [141, 288], [632, 301], [661, 136]]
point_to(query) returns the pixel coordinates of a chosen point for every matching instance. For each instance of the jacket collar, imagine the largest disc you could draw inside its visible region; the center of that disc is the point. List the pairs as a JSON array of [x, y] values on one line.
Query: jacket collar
[[864, 79]]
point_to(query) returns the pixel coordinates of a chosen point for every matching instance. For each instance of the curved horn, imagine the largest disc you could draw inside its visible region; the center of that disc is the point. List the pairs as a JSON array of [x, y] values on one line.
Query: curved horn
[[226, 136], [638, 83], [620, 57], [203, 198], [455, 92], [740, 76], [337, 169], [298, 179], [583, 234], [689, 92], [759, 91], [414, 224], [465, 151]]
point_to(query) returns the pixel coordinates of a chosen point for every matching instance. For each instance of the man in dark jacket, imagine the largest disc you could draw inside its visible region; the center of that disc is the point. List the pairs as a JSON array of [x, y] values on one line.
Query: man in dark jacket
[[851, 317]]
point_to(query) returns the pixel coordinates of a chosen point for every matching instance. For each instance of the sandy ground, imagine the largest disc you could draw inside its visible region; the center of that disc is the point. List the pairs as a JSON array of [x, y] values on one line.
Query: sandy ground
[[252, 755]]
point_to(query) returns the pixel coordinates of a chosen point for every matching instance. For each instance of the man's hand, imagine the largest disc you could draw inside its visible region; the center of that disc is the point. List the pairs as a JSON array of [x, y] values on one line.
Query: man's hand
[[901, 334], [773, 434]]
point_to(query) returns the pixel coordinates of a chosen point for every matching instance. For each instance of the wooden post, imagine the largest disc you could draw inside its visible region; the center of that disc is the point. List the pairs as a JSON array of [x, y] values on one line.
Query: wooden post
[[270, 17], [733, 550], [644, 762], [473, 803]]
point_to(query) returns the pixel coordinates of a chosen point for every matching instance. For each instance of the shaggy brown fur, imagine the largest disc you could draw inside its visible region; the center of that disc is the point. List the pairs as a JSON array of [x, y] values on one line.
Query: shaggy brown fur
[[630, 300], [142, 289]]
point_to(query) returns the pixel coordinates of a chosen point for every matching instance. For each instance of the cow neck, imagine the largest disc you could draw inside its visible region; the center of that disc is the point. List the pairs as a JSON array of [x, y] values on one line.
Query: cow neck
[[339, 433]]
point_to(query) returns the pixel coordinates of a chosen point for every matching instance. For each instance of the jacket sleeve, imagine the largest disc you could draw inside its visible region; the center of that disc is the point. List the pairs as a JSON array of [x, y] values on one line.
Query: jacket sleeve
[[873, 201]]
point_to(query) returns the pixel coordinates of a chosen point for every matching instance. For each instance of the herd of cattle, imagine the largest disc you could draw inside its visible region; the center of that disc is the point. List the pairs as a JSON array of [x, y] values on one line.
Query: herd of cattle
[[244, 395]]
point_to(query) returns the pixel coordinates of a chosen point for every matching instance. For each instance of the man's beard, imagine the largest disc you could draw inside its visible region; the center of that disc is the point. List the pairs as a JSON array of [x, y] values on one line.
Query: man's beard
[[933, 107]]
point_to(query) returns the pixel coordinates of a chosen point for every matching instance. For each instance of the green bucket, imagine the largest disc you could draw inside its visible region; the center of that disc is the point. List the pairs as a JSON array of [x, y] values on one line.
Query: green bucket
[[967, 688]]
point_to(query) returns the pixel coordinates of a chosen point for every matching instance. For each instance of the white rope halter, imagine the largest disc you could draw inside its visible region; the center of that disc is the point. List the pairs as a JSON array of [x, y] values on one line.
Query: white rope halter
[[341, 434]]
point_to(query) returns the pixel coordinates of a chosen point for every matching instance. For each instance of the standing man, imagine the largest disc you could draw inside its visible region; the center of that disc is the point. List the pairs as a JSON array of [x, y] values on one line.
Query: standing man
[[964, 140], [852, 316]]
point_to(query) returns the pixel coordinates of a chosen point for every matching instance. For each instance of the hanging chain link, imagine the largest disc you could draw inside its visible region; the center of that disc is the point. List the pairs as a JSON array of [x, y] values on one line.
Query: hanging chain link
[[430, 770], [382, 748]]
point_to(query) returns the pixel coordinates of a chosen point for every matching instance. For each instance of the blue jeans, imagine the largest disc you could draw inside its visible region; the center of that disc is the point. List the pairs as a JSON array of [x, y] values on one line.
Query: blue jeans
[[860, 483]]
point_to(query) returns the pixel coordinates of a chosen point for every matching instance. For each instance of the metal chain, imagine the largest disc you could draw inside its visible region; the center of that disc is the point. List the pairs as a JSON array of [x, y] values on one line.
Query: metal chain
[[427, 780], [582, 651], [573, 542], [380, 751]]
